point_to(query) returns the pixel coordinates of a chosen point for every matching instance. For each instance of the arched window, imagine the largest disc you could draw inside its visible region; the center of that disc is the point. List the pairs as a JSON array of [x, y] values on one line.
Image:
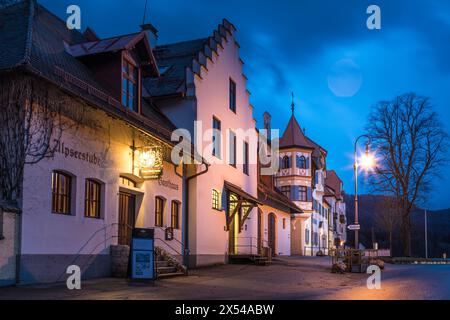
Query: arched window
[[215, 199], [159, 211], [61, 192], [175, 215], [301, 162], [286, 162]]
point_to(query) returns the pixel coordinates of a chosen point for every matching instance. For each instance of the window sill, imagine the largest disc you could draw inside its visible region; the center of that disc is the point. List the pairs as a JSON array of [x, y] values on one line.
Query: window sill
[[63, 214], [94, 218]]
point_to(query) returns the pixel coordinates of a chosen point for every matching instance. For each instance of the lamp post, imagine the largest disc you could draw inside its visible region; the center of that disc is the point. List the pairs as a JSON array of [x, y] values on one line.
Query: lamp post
[[356, 165]]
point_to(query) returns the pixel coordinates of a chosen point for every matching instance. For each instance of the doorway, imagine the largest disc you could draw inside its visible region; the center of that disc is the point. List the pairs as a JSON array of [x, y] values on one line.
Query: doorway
[[272, 223], [127, 210], [260, 231], [234, 224]]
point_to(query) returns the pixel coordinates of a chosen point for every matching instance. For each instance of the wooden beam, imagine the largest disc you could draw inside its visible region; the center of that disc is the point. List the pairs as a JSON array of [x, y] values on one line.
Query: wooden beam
[[245, 215], [230, 217]]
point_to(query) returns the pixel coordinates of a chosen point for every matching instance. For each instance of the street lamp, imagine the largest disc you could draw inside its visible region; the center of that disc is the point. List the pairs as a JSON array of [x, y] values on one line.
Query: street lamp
[[367, 161]]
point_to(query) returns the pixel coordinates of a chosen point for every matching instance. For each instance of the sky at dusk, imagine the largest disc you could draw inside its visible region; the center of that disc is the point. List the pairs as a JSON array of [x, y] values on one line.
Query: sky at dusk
[[321, 50]]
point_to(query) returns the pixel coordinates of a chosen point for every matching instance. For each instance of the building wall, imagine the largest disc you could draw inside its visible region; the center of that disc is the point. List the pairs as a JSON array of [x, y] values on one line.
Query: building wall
[[209, 240], [283, 235], [9, 248], [51, 241]]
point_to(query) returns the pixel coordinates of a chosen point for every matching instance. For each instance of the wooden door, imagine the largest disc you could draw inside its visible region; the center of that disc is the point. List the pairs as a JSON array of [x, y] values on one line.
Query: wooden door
[[127, 207], [260, 231], [272, 232]]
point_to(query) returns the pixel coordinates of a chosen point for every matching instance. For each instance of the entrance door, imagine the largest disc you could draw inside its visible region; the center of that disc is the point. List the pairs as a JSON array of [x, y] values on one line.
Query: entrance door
[[272, 233], [127, 206], [234, 225], [260, 228]]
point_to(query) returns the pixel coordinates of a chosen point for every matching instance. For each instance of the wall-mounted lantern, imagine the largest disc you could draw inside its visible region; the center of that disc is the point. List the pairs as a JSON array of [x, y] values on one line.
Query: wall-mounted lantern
[[149, 162]]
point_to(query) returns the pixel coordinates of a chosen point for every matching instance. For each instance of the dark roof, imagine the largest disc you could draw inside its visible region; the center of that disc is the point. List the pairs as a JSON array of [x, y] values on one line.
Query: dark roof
[[35, 40], [276, 199], [294, 137], [174, 59], [118, 43], [240, 192], [333, 182]]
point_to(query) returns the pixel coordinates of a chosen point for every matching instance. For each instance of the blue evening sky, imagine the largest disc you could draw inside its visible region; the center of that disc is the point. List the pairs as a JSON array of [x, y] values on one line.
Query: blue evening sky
[[321, 50]]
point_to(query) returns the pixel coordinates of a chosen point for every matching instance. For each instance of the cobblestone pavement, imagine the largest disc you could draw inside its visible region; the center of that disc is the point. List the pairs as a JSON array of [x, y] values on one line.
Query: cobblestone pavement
[[289, 278]]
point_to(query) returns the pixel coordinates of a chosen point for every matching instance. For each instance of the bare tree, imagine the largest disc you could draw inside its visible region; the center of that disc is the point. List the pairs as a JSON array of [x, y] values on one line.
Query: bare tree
[[411, 145], [30, 116]]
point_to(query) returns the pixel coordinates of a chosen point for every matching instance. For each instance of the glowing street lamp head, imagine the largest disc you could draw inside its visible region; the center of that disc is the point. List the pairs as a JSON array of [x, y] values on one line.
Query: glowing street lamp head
[[367, 160]]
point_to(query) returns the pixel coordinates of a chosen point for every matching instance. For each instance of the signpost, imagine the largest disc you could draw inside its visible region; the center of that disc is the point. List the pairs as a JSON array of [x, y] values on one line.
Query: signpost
[[354, 227], [142, 254]]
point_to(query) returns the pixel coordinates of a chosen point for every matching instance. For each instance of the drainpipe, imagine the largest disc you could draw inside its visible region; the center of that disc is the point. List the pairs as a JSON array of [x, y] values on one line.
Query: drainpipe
[[185, 210]]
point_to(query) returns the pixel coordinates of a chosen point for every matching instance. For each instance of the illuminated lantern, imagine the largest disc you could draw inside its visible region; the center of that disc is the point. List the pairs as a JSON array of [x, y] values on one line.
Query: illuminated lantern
[[150, 162]]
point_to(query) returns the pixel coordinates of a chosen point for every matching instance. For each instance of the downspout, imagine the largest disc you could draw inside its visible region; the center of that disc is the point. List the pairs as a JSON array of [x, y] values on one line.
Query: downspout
[[185, 210]]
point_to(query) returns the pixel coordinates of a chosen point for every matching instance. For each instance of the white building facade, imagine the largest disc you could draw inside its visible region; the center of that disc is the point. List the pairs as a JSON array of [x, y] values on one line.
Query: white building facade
[[210, 93]]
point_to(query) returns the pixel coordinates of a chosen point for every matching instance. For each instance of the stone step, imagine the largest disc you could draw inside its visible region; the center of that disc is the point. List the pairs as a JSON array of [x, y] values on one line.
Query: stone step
[[162, 263], [163, 270], [170, 275]]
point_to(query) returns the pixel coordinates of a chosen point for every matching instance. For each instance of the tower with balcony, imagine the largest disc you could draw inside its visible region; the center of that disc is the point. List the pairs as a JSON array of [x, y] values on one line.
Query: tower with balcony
[[301, 177]]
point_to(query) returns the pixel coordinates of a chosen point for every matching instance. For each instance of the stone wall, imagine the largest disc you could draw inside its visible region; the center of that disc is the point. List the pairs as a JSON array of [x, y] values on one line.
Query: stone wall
[[9, 245], [119, 260]]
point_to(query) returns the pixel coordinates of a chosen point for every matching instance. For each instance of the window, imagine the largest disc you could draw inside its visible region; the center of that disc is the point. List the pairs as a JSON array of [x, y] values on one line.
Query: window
[[129, 86], [286, 190], [303, 193], [306, 236], [301, 162], [217, 127], [284, 223], [92, 199], [286, 163], [175, 215], [216, 199], [159, 211], [232, 96], [232, 149], [61, 192], [245, 164], [127, 182]]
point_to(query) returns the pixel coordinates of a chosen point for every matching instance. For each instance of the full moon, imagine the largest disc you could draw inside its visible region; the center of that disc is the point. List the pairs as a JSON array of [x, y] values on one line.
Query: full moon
[[345, 78]]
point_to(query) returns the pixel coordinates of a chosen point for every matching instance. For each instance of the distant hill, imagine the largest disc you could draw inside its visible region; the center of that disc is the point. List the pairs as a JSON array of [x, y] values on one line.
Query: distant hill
[[369, 212]]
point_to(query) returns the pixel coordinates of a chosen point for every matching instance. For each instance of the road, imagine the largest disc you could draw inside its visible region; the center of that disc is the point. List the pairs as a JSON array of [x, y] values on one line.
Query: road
[[290, 278]]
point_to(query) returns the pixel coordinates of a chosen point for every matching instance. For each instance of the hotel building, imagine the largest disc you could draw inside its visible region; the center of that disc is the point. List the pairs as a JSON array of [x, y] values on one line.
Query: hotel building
[[124, 103]]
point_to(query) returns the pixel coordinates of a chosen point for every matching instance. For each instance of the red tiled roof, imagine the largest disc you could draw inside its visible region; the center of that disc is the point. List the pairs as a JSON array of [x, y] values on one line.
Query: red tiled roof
[[334, 182], [294, 136]]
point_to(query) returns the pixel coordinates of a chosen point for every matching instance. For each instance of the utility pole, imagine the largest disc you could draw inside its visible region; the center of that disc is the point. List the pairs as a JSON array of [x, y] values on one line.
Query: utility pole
[[426, 235]]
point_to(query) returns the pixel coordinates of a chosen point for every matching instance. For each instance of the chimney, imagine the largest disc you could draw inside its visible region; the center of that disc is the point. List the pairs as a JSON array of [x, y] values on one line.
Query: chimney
[[267, 118], [152, 33]]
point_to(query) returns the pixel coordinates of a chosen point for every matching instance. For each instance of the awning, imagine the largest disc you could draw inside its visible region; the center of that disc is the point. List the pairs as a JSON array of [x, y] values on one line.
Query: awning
[[244, 204]]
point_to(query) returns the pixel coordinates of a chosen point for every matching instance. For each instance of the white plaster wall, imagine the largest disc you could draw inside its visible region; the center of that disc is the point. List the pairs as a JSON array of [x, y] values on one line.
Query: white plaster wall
[[47, 233], [212, 93], [283, 235]]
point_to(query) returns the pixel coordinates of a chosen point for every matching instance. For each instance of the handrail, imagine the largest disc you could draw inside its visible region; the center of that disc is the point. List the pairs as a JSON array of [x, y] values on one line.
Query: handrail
[[164, 229], [168, 245]]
